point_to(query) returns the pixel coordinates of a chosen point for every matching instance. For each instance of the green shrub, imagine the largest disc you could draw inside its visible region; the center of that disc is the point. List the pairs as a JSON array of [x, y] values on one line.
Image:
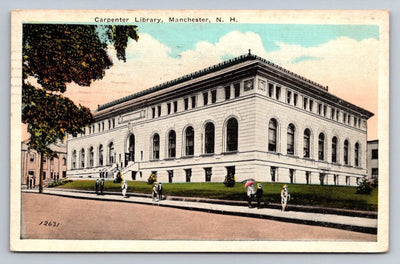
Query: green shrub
[[365, 187], [118, 179], [229, 180], [152, 179]]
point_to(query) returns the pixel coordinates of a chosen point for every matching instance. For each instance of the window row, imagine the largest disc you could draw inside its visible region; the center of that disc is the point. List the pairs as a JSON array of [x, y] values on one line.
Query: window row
[[292, 98], [321, 179], [98, 127], [290, 130], [208, 97]]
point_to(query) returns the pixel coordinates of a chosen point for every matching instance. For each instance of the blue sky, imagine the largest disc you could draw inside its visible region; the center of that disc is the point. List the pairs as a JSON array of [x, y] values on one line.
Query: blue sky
[[184, 36]]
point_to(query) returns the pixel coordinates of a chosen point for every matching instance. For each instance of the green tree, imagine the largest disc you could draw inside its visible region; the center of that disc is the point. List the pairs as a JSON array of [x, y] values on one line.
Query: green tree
[[55, 55]]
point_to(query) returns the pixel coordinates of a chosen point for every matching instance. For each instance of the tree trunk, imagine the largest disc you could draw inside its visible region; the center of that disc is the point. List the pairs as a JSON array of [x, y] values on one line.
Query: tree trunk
[[41, 173]]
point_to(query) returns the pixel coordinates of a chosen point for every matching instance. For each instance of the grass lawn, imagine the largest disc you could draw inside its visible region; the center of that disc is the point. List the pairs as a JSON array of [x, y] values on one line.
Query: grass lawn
[[311, 195]]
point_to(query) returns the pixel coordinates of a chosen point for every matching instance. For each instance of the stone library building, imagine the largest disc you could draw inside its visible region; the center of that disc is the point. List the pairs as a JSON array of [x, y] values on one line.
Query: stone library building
[[246, 116]]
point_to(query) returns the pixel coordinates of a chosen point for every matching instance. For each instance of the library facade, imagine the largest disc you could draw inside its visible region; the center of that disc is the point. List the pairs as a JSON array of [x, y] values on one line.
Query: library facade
[[245, 116]]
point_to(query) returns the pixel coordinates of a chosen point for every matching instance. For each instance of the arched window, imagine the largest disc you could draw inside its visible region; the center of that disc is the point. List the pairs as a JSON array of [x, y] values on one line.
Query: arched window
[[156, 146], [272, 135], [82, 155], [189, 140], [172, 144], [209, 138], [232, 134], [131, 147], [346, 152], [334, 149], [357, 154], [73, 159], [306, 143], [111, 153], [290, 139], [321, 146], [91, 156], [101, 155]]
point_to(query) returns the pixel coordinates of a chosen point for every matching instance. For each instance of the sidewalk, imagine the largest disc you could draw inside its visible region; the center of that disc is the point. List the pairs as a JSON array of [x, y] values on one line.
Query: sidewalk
[[364, 224]]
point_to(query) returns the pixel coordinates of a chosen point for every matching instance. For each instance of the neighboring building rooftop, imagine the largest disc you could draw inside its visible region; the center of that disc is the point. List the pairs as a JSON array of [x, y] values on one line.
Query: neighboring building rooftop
[[59, 147]]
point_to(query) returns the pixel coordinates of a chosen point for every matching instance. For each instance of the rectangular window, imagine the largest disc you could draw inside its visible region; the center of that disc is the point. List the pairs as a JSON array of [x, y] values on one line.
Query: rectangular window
[[359, 122], [113, 123], [98, 125], [236, 86], [102, 126], [325, 110], [355, 121], [311, 105], [186, 100], [374, 154], [44, 175], [159, 110], [308, 177], [305, 102], [205, 98], [347, 180], [153, 112], [273, 174], [175, 106], [213, 96], [188, 173], [337, 115], [295, 99], [208, 174], [291, 175], [348, 119], [170, 175], [332, 113], [374, 173], [227, 92], [278, 92], [344, 117], [193, 101], [319, 109], [169, 108], [270, 89], [288, 96]]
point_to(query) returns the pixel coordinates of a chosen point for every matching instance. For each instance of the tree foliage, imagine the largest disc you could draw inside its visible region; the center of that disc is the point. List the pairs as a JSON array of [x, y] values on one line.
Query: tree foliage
[[55, 55]]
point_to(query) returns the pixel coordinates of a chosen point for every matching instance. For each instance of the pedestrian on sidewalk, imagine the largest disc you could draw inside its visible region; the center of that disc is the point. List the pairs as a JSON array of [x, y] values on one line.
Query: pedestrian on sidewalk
[[97, 186], [250, 193], [285, 196], [102, 182], [124, 188], [259, 194], [155, 192], [160, 190]]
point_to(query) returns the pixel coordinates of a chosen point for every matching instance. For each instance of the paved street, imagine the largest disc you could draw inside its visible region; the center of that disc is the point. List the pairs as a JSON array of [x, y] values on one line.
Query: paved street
[[73, 218]]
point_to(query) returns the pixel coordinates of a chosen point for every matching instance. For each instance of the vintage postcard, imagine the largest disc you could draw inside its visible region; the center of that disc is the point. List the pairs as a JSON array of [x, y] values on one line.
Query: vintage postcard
[[200, 131]]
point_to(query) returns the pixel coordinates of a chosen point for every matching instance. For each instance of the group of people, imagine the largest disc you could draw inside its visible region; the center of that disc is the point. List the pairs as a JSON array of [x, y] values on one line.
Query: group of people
[[252, 194], [99, 186], [157, 192]]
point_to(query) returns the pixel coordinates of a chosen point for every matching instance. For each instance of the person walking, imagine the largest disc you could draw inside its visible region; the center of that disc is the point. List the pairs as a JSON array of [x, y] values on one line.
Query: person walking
[[97, 186], [250, 193], [124, 188], [160, 190], [155, 192], [285, 196], [259, 194], [102, 182]]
